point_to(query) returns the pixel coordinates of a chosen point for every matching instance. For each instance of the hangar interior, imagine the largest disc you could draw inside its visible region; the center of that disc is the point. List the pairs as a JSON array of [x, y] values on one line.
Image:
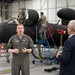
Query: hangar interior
[[10, 9]]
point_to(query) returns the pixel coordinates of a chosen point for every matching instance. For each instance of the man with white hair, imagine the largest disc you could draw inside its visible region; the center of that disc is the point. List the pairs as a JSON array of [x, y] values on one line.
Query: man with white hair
[[67, 57]]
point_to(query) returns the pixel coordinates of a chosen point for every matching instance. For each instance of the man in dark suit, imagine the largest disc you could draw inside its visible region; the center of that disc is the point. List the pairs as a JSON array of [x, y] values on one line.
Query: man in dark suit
[[67, 57]]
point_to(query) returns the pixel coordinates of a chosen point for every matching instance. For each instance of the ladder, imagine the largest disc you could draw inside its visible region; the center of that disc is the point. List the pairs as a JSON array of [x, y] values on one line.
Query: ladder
[[44, 44]]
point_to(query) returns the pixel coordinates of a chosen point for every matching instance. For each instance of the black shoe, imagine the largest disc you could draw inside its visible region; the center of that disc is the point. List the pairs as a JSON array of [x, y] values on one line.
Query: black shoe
[[55, 68], [50, 70]]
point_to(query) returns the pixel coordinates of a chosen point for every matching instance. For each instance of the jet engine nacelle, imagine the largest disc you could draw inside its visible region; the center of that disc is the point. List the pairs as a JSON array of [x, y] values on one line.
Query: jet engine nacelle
[[8, 28]]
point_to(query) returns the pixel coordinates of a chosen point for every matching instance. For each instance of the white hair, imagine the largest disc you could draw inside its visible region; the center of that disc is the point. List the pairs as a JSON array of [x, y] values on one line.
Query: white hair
[[72, 24]]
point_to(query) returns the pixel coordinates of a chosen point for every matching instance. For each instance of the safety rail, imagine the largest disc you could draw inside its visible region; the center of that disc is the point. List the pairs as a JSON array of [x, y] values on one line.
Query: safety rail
[[4, 53]]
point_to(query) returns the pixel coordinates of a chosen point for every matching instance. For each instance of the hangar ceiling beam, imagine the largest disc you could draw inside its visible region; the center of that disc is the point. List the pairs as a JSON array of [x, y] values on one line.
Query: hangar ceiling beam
[[47, 10], [68, 2], [55, 10]]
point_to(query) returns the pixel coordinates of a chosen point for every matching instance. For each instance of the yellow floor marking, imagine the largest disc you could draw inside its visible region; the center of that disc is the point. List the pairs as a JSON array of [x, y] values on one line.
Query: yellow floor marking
[[5, 71]]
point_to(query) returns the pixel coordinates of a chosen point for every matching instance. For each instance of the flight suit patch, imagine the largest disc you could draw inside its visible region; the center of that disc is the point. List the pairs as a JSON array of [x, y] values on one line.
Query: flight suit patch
[[16, 40], [23, 40]]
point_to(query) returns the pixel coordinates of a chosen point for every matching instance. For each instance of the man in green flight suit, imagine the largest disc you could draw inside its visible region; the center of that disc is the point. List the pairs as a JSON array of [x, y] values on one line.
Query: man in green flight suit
[[20, 45]]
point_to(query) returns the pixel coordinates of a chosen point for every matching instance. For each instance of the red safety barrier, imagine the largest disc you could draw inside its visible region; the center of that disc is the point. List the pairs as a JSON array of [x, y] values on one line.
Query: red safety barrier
[[0, 49]]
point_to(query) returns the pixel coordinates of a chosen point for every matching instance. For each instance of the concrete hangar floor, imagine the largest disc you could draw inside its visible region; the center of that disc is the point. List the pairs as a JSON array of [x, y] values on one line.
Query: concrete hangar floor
[[35, 69]]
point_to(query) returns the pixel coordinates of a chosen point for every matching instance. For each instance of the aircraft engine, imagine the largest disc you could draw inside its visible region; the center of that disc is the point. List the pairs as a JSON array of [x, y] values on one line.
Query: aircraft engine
[[8, 28]]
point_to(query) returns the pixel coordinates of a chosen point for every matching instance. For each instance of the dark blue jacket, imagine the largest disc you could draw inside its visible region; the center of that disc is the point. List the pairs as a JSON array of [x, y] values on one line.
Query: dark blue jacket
[[67, 59]]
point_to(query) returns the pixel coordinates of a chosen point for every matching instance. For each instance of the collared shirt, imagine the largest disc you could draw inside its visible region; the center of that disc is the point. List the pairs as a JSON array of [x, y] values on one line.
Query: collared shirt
[[70, 35]]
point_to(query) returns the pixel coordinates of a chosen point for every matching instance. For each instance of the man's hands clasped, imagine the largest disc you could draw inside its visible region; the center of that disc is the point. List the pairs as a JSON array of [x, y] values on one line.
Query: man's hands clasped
[[25, 50]]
